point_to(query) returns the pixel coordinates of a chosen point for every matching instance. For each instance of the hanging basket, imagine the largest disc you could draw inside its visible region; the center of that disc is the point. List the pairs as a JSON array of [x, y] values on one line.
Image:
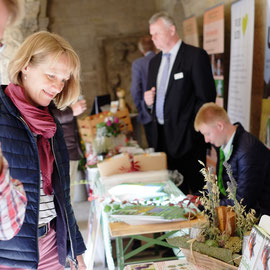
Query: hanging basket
[[203, 262]]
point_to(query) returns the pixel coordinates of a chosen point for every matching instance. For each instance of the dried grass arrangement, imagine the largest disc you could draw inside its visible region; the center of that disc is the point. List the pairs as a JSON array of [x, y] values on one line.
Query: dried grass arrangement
[[221, 236]]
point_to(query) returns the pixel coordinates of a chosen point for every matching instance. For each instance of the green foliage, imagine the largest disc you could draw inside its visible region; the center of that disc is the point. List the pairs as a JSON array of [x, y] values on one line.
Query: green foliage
[[82, 161], [210, 201], [245, 220], [234, 244], [210, 197], [211, 243]]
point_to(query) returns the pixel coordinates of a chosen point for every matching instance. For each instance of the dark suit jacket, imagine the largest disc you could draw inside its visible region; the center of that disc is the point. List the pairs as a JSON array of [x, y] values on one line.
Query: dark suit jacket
[[138, 86], [183, 98]]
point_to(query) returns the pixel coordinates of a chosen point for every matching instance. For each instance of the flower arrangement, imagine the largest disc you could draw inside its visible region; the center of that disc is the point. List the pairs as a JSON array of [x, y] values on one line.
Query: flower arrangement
[[241, 222], [221, 236], [109, 138], [110, 127]]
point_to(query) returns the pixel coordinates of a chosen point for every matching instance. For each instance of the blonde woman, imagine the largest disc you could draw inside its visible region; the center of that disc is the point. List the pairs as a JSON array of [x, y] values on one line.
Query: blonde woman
[[45, 69]]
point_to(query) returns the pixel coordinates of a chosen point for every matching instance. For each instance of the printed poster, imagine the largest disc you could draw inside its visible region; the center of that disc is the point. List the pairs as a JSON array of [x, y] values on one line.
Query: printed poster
[[241, 60], [213, 43], [190, 31], [265, 117]]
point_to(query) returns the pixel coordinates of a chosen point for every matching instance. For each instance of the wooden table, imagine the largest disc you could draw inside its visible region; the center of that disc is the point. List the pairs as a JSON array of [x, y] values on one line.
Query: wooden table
[[120, 230], [123, 229]]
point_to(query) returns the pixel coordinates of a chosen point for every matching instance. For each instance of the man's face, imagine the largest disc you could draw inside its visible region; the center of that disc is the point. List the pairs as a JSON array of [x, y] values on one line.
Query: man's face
[[162, 34], [213, 133], [3, 18]]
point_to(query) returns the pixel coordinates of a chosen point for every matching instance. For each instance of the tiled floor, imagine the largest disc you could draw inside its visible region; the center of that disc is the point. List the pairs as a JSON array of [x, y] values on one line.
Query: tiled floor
[[81, 211]]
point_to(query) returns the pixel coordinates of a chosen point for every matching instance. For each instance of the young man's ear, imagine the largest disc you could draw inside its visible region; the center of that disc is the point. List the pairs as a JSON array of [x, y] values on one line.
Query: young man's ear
[[220, 125]]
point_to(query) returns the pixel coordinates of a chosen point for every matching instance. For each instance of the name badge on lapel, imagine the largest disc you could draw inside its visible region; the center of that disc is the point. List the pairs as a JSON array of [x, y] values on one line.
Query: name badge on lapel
[[178, 76]]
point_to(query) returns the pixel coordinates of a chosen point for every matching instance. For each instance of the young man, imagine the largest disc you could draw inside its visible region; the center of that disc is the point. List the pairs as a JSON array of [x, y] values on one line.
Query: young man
[[248, 157], [12, 195]]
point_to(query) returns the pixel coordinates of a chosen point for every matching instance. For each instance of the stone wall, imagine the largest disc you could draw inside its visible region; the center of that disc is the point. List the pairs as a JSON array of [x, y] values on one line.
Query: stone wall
[[104, 33], [35, 19]]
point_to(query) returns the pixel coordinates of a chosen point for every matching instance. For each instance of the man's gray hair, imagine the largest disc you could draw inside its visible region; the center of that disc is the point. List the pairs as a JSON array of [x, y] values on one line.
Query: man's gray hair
[[168, 20]]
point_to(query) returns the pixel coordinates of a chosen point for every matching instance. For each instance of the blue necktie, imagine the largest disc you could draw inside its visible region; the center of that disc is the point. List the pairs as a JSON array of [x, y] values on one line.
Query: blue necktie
[[161, 91]]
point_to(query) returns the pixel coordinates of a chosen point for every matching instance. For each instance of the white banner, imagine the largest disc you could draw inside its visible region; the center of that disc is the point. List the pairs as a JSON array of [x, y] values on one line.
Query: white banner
[[265, 116], [241, 60]]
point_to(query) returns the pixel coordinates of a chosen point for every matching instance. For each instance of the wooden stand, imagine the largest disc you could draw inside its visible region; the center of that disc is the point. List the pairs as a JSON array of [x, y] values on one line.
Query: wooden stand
[[201, 261], [88, 129]]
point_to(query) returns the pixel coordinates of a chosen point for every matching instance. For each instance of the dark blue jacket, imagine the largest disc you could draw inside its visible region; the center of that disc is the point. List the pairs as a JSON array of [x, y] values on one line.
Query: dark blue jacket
[[20, 149], [139, 73], [250, 164]]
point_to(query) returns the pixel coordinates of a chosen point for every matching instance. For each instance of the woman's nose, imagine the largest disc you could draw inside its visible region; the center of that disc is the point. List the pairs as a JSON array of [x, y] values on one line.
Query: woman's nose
[[58, 86]]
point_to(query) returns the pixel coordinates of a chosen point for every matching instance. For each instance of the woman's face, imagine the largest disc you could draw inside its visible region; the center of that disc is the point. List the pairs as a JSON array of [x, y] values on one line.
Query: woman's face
[[42, 82]]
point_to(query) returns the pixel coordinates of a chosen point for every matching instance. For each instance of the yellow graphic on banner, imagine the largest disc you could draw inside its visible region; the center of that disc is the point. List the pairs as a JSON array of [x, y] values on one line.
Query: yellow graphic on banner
[[244, 24]]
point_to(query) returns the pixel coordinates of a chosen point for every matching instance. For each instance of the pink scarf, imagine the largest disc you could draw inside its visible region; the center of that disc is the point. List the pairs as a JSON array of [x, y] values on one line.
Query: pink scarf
[[41, 123]]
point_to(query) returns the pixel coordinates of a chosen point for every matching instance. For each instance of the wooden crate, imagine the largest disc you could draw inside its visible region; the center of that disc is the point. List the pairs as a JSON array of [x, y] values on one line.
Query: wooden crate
[[88, 129], [203, 262]]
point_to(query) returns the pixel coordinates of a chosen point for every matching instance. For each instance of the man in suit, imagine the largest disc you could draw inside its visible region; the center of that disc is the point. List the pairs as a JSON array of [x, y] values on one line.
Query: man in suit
[[138, 84], [174, 100]]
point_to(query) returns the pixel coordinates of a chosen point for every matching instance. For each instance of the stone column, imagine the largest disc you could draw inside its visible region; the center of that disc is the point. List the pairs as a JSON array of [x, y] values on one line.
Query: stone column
[[35, 19]]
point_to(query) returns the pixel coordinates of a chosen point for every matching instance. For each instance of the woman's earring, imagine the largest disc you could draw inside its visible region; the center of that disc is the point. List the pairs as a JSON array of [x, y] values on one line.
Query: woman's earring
[[24, 77]]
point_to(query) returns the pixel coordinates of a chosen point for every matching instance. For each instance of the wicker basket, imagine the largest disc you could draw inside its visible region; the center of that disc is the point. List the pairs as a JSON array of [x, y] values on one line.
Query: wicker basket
[[87, 125], [203, 262]]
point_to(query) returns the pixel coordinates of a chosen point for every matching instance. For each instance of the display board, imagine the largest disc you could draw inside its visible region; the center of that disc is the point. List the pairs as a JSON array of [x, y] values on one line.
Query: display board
[[190, 31], [213, 43], [241, 61]]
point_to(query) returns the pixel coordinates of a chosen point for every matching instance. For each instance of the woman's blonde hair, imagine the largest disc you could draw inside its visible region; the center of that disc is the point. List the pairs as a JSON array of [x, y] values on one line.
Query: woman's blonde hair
[[35, 50], [210, 113]]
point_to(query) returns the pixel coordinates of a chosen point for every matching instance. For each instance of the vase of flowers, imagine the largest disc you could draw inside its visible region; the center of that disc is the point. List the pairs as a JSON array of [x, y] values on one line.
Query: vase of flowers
[[108, 138], [109, 128]]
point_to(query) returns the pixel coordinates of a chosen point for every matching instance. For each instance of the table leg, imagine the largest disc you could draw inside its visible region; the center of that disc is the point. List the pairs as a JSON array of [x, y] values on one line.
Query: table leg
[[120, 253]]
